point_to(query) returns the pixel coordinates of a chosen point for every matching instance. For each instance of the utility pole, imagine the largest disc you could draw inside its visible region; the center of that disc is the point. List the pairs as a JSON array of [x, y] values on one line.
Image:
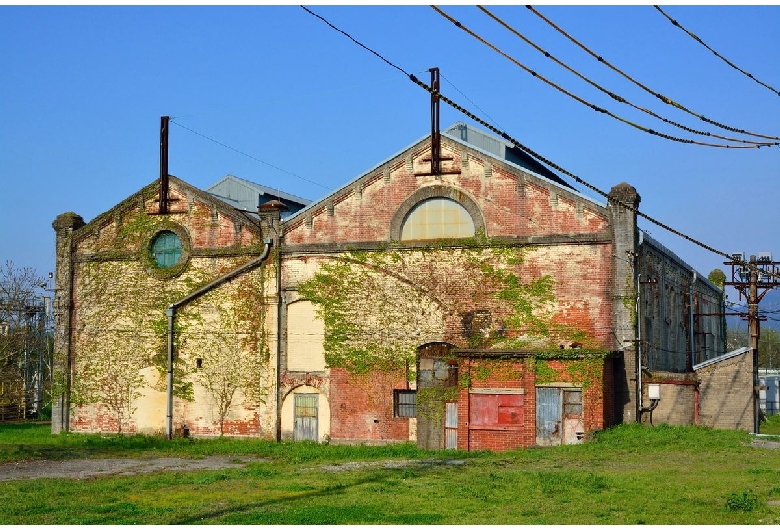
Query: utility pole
[[754, 280], [755, 329]]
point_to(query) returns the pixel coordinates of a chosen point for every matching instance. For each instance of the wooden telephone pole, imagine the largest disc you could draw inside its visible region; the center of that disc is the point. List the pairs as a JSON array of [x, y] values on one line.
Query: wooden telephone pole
[[754, 280]]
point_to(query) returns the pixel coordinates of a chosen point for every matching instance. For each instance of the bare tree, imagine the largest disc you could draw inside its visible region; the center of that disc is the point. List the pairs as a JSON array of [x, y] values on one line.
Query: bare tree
[[23, 340]]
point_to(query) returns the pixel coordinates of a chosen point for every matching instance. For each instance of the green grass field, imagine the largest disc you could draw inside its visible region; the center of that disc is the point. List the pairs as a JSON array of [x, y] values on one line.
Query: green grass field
[[627, 475]]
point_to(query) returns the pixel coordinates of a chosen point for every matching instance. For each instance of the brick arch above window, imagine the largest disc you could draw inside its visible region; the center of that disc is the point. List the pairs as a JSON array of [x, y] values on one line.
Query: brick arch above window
[[431, 192]]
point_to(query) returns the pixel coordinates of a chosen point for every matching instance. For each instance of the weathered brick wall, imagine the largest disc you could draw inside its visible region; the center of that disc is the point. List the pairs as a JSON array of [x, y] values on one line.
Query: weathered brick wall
[[493, 373], [677, 306], [119, 303], [678, 399], [506, 373], [512, 203], [362, 408], [568, 237], [726, 393]]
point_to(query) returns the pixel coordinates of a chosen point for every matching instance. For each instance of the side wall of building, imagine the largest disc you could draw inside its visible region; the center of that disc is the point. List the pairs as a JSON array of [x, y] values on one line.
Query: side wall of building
[[115, 351], [564, 236], [726, 393]]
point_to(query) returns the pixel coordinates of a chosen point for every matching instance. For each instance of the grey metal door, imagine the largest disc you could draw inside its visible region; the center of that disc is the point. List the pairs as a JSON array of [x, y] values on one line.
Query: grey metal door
[[548, 416], [305, 419], [451, 426]]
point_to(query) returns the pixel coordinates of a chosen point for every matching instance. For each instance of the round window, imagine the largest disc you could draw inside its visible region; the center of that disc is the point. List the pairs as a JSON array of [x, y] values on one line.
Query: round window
[[166, 249]]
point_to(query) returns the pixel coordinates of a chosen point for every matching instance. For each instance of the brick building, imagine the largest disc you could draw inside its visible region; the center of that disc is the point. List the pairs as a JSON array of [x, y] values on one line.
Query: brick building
[[484, 305]]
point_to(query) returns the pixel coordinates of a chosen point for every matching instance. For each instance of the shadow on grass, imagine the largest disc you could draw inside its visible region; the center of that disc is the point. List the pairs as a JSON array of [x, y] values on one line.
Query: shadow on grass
[[290, 511]]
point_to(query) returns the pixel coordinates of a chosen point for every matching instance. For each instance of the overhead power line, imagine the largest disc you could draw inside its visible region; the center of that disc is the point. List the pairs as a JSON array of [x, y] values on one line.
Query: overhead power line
[[660, 96], [583, 101], [719, 56], [614, 96], [529, 151], [249, 156]]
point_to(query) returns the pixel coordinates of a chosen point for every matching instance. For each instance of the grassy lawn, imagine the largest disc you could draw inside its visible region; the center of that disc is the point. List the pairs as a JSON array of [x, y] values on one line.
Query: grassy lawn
[[626, 475]]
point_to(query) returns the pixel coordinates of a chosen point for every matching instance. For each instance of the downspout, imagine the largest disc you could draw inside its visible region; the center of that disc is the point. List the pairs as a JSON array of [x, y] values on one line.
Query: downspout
[[638, 347], [171, 314], [279, 302], [690, 321]]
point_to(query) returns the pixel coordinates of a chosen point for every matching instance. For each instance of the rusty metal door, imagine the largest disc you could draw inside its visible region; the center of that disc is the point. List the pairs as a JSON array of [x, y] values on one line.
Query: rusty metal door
[[559, 416], [548, 416], [451, 426], [305, 417]]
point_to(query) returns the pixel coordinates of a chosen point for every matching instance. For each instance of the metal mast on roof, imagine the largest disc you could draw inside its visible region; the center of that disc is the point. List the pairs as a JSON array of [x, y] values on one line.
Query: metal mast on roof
[[436, 157], [163, 206]]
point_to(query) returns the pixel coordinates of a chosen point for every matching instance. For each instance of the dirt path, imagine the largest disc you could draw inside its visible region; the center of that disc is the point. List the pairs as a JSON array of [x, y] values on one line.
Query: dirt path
[[86, 468]]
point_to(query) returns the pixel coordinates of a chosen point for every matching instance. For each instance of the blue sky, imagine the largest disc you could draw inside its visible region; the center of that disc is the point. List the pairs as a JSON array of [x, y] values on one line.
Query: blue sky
[[83, 89]]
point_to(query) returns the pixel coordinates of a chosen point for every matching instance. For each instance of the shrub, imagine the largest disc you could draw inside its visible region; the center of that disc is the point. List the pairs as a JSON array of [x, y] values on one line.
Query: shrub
[[746, 501]]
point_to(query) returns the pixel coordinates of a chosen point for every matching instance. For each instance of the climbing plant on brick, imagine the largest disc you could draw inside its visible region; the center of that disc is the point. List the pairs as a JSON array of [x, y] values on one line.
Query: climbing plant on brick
[[379, 306], [233, 346]]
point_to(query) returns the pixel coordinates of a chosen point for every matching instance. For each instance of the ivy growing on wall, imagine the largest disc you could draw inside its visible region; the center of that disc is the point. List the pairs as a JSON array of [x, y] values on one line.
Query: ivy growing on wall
[[232, 344], [120, 331], [378, 307]]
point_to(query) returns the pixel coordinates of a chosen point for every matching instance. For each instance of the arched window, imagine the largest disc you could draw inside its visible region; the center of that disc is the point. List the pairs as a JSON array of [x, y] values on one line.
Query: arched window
[[166, 249], [437, 218]]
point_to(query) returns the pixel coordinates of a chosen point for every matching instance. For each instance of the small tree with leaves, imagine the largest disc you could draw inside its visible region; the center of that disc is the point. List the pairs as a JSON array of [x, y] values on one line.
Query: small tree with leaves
[[234, 350], [110, 371]]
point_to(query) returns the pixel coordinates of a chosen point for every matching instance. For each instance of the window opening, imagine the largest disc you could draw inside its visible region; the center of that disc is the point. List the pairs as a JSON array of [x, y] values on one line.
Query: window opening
[[437, 218], [405, 403], [166, 249]]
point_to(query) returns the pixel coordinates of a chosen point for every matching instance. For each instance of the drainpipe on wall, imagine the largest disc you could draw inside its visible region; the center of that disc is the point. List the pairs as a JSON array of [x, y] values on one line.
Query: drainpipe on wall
[[639, 392], [279, 303], [690, 322], [271, 218], [171, 314]]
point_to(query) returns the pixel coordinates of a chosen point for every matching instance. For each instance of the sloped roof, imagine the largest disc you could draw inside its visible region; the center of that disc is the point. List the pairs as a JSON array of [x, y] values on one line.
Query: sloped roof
[[151, 189], [501, 149], [720, 358], [247, 195], [485, 143]]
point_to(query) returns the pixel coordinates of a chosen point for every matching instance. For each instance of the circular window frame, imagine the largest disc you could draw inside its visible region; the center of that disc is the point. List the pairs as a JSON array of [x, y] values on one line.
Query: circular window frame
[[147, 257], [435, 192]]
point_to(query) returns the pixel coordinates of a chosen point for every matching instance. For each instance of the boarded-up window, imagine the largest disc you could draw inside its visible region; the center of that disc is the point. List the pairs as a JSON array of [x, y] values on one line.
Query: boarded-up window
[[305, 332], [405, 403], [496, 411]]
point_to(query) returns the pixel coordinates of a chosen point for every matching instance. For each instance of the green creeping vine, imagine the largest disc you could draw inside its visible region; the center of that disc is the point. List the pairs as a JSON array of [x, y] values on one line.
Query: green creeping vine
[[379, 306], [120, 339]]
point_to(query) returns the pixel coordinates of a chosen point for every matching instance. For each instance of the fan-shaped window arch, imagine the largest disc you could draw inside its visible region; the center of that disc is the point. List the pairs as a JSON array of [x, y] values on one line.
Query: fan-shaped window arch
[[437, 218]]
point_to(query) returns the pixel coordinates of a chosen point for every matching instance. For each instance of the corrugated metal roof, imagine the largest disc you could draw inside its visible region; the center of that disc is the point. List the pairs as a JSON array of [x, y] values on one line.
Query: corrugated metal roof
[[723, 357], [500, 149], [247, 195]]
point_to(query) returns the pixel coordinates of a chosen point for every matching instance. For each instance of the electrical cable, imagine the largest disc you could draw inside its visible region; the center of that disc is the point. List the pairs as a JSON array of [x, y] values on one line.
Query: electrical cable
[[616, 97], [250, 156], [583, 101], [663, 98], [719, 56], [467, 99], [539, 157]]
